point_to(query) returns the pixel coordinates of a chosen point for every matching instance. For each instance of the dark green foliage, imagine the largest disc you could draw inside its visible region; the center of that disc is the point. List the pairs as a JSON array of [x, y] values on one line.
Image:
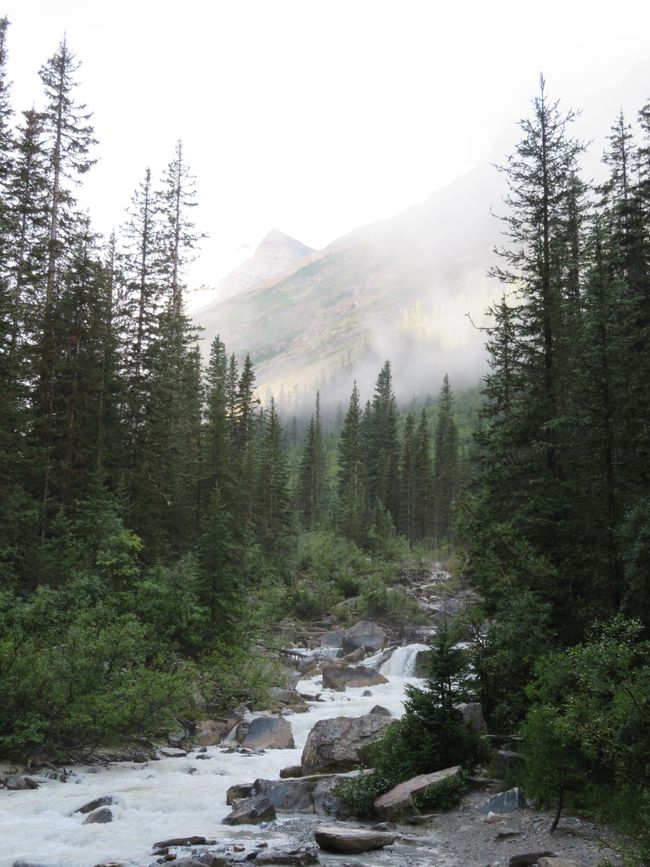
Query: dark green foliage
[[587, 734], [442, 796], [445, 469]]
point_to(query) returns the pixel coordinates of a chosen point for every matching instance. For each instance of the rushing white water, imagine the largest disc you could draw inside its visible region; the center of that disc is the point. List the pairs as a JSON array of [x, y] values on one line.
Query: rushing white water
[[402, 661], [161, 799]]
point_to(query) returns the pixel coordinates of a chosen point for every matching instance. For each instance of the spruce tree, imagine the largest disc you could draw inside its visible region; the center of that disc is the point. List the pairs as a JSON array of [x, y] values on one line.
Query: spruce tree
[[352, 475], [383, 445], [445, 465], [272, 499], [312, 492]]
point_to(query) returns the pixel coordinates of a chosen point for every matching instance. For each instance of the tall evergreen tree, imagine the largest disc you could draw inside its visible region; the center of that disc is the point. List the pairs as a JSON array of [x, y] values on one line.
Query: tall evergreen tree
[[272, 500], [446, 463], [312, 492], [352, 476], [383, 445]]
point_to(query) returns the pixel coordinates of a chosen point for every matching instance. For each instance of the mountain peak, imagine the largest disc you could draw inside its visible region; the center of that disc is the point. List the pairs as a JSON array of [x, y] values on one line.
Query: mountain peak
[[275, 254]]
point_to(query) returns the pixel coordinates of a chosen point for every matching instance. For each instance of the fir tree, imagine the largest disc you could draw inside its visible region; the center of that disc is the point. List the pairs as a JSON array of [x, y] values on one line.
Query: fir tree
[[312, 492], [446, 463]]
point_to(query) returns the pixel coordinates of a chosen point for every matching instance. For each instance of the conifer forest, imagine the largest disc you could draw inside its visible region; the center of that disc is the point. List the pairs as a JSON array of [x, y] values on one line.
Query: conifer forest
[[160, 520]]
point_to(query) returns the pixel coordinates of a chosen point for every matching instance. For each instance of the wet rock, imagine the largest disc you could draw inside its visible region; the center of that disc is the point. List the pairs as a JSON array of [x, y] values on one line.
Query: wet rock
[[382, 711], [173, 752], [193, 840], [291, 772], [251, 811], [337, 676], [209, 859], [356, 655], [399, 800], [17, 784], [293, 858], [269, 733], [239, 791], [504, 802], [351, 841], [366, 634], [287, 796], [384, 827], [340, 744], [103, 801], [100, 816], [210, 732]]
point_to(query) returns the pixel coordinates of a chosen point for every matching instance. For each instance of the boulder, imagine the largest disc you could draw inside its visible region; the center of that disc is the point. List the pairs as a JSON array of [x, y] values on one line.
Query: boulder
[[269, 733], [18, 784], [103, 801], [340, 744], [293, 858], [399, 800], [100, 816], [504, 802], [351, 841], [291, 772], [173, 753], [364, 634], [287, 796], [251, 811], [339, 676], [193, 840], [210, 732], [356, 655], [238, 791], [473, 715], [382, 711], [332, 639]]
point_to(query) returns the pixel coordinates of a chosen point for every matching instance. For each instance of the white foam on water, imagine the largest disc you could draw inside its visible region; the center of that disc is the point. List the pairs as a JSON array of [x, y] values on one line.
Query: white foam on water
[[402, 661], [160, 799]]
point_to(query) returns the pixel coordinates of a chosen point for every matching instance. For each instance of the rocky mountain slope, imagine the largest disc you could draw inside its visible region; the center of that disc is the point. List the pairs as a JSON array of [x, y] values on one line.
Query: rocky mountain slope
[[275, 254], [400, 289]]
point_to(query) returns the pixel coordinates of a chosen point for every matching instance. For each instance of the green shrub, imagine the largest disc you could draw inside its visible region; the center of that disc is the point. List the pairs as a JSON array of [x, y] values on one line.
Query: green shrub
[[231, 675], [442, 796], [357, 794]]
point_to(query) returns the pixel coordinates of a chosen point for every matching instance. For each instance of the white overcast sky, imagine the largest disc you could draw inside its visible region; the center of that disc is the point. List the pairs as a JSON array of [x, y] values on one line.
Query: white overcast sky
[[313, 116]]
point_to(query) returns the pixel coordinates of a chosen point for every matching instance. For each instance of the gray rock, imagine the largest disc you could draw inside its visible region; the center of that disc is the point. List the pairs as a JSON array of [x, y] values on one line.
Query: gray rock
[[504, 802], [351, 841], [293, 858], [239, 791], [100, 816], [286, 696], [364, 634], [341, 744], [356, 655], [103, 801], [382, 711], [17, 784], [251, 811], [287, 796], [291, 772], [210, 732], [339, 676], [269, 733], [192, 840], [397, 802], [173, 752]]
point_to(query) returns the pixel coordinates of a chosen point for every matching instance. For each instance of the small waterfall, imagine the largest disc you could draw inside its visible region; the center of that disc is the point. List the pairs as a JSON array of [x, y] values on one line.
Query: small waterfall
[[402, 661]]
